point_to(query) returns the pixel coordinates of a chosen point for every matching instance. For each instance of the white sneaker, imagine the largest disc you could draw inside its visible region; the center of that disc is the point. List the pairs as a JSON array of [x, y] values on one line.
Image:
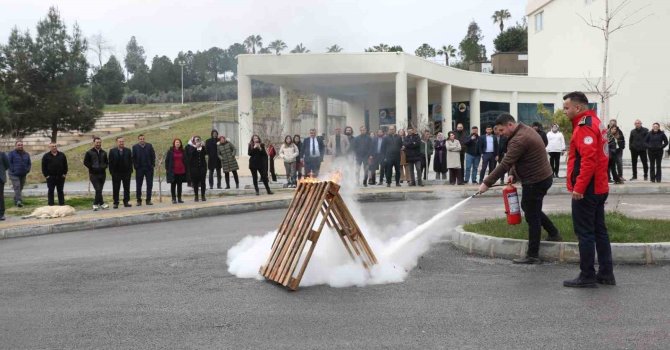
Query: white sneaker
[[104, 206], [95, 207]]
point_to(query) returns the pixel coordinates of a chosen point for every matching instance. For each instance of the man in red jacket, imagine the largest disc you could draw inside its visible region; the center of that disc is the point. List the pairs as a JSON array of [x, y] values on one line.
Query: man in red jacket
[[587, 180]]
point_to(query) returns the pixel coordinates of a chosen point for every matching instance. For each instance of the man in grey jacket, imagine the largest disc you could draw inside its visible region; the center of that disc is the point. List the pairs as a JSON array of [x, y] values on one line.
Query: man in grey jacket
[[4, 165]]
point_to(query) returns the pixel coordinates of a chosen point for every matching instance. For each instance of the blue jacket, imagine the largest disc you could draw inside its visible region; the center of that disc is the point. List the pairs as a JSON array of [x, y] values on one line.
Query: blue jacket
[[144, 158], [19, 163]]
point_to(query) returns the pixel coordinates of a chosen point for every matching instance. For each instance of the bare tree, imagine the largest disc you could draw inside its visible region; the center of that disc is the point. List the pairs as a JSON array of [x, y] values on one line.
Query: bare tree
[[613, 21], [99, 45]]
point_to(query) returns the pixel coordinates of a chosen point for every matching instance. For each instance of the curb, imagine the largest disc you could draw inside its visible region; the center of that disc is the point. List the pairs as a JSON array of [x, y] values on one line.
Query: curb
[[178, 213], [508, 248]]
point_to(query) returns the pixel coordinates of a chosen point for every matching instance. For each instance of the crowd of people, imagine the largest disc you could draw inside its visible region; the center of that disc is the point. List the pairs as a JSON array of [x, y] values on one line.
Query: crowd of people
[[384, 157]]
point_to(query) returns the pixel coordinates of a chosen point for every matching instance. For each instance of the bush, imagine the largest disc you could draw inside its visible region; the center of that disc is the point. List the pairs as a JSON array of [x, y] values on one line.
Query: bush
[[201, 93]]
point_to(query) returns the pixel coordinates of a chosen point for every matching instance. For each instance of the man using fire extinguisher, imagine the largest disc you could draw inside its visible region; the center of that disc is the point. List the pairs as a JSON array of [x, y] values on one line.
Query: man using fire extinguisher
[[526, 161], [587, 180]]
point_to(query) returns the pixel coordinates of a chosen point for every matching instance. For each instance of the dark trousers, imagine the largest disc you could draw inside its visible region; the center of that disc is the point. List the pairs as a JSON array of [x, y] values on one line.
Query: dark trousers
[[237, 179], [588, 220], [117, 180], [555, 161], [273, 174], [57, 183], [655, 157], [98, 182], [312, 165], [2, 199], [140, 175], [455, 176], [488, 160], [382, 171], [425, 164], [364, 164], [264, 178], [198, 182], [613, 168], [218, 177], [412, 167], [643, 156], [462, 166], [532, 197], [390, 165], [176, 186]]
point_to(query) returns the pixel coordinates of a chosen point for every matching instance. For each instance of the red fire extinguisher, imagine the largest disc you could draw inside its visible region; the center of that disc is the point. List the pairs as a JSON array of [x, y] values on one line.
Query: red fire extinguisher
[[512, 208]]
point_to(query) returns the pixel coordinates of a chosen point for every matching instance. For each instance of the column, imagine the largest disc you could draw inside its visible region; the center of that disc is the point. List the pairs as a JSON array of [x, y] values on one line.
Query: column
[[245, 113], [422, 104], [559, 102], [514, 105], [355, 114], [322, 114], [372, 104], [401, 100], [285, 112], [446, 109], [474, 109]]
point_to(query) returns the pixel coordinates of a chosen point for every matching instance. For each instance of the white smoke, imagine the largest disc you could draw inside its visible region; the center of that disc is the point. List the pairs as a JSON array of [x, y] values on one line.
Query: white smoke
[[397, 246]]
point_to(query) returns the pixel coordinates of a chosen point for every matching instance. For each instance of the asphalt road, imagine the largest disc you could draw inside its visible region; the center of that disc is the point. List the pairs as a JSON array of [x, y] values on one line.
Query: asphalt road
[[165, 285]]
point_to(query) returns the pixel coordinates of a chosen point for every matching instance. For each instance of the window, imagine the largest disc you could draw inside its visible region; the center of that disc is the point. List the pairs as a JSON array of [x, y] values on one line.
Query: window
[[528, 112], [539, 22]]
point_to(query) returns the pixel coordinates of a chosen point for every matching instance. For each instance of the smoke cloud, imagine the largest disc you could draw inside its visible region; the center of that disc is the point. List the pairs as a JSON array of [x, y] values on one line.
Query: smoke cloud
[[397, 246]]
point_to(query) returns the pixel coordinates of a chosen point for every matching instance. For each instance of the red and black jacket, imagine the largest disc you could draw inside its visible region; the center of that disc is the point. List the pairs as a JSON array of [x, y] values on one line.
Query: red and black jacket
[[589, 155]]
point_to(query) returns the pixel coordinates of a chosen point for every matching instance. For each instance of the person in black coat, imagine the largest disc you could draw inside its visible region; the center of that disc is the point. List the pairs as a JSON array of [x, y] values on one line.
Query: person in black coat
[[258, 163], [313, 150], [120, 167], [213, 161], [96, 161], [392, 146], [412, 147], [638, 148], [655, 142], [144, 161], [54, 169], [362, 146], [538, 127], [197, 168]]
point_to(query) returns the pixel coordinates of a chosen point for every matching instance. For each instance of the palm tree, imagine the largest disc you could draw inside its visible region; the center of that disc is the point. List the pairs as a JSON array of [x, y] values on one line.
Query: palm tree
[[252, 42], [334, 48], [278, 46], [447, 51], [425, 51], [299, 49], [500, 17]]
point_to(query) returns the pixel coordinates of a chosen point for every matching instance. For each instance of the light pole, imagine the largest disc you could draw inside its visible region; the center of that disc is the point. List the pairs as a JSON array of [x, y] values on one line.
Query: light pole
[[181, 63]]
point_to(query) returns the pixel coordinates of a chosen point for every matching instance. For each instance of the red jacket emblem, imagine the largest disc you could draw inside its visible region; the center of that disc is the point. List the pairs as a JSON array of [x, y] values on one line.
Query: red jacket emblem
[[589, 155]]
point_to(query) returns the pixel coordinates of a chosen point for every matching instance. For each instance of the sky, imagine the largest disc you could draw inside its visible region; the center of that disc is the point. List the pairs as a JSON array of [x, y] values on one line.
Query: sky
[[166, 27]]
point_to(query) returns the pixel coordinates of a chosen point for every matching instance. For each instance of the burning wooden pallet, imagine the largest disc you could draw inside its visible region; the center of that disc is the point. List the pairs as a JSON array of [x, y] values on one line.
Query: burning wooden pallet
[[314, 204]]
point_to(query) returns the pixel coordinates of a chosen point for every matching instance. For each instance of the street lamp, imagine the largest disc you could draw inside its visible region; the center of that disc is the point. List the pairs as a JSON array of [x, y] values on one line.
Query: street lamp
[[181, 63]]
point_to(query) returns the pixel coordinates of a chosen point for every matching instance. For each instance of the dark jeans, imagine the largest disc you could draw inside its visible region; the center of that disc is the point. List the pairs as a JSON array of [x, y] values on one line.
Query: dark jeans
[[312, 165], [218, 177], [98, 182], [390, 165], [555, 161], [412, 166], [176, 186], [2, 199], [531, 202], [613, 168], [57, 183], [616, 165], [655, 157], [488, 160], [264, 178], [117, 179], [425, 164], [588, 220], [455, 176], [140, 175], [237, 179], [199, 184], [462, 155], [643, 156], [364, 164]]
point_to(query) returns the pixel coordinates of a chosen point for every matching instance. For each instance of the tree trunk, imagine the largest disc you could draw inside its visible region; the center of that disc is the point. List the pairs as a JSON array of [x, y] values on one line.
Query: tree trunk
[[54, 133], [605, 94]]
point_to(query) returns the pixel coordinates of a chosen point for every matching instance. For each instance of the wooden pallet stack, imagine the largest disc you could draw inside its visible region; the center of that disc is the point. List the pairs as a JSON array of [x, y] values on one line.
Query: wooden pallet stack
[[314, 204]]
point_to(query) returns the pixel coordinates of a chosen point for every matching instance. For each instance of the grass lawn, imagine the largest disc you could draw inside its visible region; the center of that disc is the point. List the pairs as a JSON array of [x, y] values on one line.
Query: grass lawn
[[621, 228], [159, 107], [30, 203]]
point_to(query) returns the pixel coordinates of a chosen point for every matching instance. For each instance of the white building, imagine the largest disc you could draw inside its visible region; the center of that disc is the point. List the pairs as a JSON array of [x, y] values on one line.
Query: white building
[[397, 88]]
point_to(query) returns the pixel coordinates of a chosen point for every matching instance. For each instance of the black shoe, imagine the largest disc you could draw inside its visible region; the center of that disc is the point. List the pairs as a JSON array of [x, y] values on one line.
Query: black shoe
[[180, 201], [365, 184], [127, 205], [218, 187], [116, 206], [204, 199], [2, 218], [633, 178], [554, 238], [421, 184], [397, 184], [227, 188], [606, 280], [258, 193], [645, 177], [197, 199], [580, 282], [270, 192], [174, 201], [149, 203], [529, 260], [19, 204], [139, 203], [653, 180], [237, 186]]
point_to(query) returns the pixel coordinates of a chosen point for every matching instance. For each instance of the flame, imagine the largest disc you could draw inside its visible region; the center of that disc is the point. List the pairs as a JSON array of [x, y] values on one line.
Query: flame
[[336, 176]]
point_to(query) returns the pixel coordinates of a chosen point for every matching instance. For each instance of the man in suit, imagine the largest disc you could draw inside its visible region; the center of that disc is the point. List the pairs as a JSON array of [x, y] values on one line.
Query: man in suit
[[313, 150], [488, 148], [144, 161], [392, 146], [4, 165], [378, 152], [338, 144], [120, 167], [362, 147]]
